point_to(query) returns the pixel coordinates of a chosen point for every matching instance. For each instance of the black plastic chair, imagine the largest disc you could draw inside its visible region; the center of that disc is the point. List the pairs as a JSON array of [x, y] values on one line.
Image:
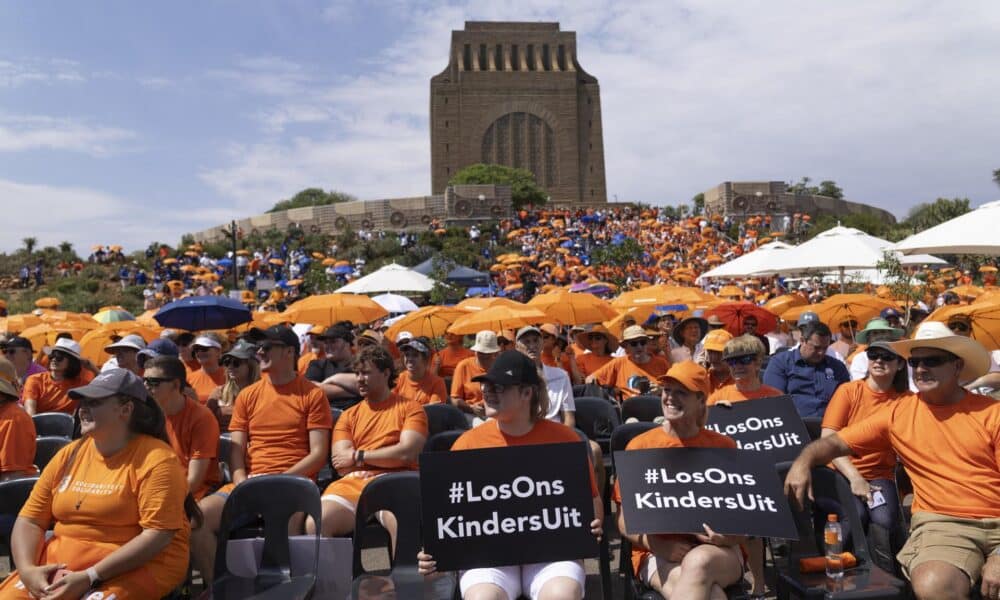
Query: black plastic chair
[[634, 588], [444, 417], [327, 474], [13, 495], [442, 441], [273, 498], [53, 424], [46, 447], [865, 581], [597, 418], [814, 425], [398, 493], [645, 407]]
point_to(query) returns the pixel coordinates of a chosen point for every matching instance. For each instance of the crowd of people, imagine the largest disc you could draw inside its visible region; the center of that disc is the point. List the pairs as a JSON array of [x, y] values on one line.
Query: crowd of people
[[136, 498]]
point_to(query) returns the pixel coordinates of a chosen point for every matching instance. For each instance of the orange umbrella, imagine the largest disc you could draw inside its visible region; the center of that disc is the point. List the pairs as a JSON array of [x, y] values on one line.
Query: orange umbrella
[[329, 262], [967, 291], [79, 320], [18, 323], [170, 261], [487, 302], [497, 318], [318, 255], [779, 304], [843, 307], [241, 253], [987, 269], [513, 287], [261, 320], [567, 308], [985, 319], [729, 291], [327, 309], [277, 262], [47, 302], [660, 294], [93, 342], [430, 321]]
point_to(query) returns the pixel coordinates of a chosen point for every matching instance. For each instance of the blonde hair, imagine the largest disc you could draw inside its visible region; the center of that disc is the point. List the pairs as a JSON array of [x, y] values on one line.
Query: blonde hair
[[539, 401], [744, 345], [231, 389]]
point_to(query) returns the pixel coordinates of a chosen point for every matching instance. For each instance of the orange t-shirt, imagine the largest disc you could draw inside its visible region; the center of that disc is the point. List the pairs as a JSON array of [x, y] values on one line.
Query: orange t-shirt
[[194, 434], [590, 362], [369, 426], [429, 390], [277, 421], [563, 363], [854, 402], [307, 358], [462, 385], [51, 395], [192, 366], [717, 384], [544, 431], [17, 440], [100, 503], [619, 370], [204, 384], [730, 393], [449, 358], [950, 452], [659, 438]]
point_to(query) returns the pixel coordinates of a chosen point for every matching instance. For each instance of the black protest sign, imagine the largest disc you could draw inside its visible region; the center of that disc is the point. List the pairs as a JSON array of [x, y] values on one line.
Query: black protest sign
[[507, 506], [770, 425], [676, 490]]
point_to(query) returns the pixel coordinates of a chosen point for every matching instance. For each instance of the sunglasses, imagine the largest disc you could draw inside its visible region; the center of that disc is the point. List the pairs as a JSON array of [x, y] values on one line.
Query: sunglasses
[[495, 388], [746, 359], [959, 326], [57, 357], [596, 336], [635, 343], [10, 351], [929, 362], [92, 403], [152, 382], [200, 349], [874, 354], [232, 362]]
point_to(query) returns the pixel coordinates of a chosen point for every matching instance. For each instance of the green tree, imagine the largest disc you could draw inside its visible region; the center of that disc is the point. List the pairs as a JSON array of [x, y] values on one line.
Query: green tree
[[312, 197], [928, 214], [996, 176], [523, 188], [628, 252], [698, 204], [66, 248], [29, 244], [830, 189]]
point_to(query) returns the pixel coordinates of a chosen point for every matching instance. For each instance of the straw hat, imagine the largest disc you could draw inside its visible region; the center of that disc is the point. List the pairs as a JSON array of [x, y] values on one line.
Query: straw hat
[[933, 334]]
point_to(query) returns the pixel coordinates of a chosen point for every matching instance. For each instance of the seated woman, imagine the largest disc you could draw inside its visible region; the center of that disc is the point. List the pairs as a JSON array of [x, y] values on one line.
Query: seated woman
[[743, 355], [47, 392], [602, 345], [17, 434], [119, 502], [515, 407], [384, 433], [417, 382], [242, 369], [681, 566], [872, 474]]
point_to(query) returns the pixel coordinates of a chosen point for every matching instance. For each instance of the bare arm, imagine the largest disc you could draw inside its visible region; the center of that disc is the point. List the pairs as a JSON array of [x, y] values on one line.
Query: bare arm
[[798, 483], [569, 418], [473, 409], [399, 454], [238, 456], [24, 542], [31, 406], [844, 464], [319, 448], [197, 469], [134, 554], [341, 385]]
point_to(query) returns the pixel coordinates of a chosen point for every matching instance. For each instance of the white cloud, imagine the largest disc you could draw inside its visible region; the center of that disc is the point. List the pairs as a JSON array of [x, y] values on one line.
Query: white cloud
[[34, 132], [894, 101], [86, 217], [37, 71]]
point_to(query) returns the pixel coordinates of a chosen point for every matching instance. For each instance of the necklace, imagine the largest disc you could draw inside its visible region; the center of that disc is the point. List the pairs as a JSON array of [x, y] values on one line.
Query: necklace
[[89, 488]]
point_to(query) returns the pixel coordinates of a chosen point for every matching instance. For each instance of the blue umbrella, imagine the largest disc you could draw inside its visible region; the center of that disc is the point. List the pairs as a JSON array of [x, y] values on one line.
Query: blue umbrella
[[225, 262], [203, 312], [343, 270]]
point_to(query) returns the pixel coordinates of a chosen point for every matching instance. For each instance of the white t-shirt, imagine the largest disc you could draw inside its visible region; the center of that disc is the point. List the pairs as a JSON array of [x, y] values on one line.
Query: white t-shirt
[[560, 393]]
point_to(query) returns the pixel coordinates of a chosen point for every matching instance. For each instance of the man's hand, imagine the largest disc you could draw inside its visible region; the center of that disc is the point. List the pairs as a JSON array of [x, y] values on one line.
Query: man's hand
[[798, 483], [862, 489], [342, 458], [991, 577]]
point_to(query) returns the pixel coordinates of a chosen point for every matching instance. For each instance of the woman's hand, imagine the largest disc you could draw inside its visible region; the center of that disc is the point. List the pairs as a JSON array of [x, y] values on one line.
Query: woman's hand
[[36, 579], [717, 539], [72, 587], [425, 563], [862, 489], [725, 403], [597, 528], [669, 548]]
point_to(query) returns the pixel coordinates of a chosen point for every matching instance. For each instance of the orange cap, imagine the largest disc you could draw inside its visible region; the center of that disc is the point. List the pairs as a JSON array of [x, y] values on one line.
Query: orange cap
[[689, 374], [716, 340], [550, 329]]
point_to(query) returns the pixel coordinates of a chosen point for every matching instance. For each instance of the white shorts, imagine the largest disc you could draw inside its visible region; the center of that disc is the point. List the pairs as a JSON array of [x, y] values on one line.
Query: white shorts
[[516, 580]]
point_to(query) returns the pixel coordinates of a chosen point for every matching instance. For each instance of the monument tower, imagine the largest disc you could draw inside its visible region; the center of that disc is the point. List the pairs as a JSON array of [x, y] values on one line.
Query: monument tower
[[514, 94]]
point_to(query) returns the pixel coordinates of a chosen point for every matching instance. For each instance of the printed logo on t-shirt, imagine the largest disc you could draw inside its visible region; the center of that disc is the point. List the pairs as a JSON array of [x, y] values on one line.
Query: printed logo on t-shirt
[[63, 484]]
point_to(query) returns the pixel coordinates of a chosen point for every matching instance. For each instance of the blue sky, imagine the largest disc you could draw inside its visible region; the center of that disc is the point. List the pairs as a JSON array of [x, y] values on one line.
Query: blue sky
[[125, 122]]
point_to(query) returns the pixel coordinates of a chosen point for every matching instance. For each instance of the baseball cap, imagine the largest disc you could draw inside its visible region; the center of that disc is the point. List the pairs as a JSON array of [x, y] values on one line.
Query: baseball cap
[[402, 336], [510, 368], [204, 341], [338, 331], [550, 329], [889, 313], [132, 341], [8, 378], [526, 330], [159, 347], [19, 342], [689, 374], [110, 383], [807, 317], [370, 336], [486, 343], [276, 333], [420, 344], [716, 340], [242, 350]]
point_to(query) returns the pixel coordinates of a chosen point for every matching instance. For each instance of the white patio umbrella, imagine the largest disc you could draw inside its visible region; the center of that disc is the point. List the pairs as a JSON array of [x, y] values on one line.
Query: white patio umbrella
[[390, 278], [839, 249], [975, 232], [395, 303], [747, 264]]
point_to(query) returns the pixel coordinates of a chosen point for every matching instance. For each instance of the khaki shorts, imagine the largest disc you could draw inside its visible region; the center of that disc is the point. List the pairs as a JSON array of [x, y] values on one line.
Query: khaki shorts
[[964, 543]]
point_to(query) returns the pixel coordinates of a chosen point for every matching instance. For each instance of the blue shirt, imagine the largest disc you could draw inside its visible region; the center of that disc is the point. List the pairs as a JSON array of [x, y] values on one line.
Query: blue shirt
[[810, 386]]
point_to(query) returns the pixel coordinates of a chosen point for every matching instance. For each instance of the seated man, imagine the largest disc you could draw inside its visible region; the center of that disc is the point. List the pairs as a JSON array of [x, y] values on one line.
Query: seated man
[[637, 371], [807, 373], [949, 440]]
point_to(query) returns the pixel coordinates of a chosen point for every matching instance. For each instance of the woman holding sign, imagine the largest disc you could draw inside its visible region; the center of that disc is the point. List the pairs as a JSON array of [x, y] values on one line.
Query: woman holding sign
[[872, 476], [516, 408], [681, 566]]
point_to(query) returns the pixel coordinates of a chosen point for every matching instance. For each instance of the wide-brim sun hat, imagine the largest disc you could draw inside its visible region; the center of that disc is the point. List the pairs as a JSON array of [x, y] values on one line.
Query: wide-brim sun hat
[[878, 324], [936, 335]]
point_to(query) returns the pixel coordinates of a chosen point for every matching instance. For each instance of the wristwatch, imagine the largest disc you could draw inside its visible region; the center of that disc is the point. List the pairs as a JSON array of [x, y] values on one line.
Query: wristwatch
[[361, 458], [95, 580]]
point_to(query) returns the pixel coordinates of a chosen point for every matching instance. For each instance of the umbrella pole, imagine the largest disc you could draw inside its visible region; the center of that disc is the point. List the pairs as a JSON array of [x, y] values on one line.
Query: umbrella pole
[[841, 280]]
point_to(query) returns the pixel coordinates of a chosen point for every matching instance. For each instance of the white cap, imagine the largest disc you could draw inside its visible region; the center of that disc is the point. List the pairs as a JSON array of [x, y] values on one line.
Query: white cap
[[132, 341], [65, 345], [206, 342], [403, 335]]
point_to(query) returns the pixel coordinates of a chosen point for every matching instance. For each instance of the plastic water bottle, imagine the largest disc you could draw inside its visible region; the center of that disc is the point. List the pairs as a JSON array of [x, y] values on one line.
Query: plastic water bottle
[[833, 539]]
